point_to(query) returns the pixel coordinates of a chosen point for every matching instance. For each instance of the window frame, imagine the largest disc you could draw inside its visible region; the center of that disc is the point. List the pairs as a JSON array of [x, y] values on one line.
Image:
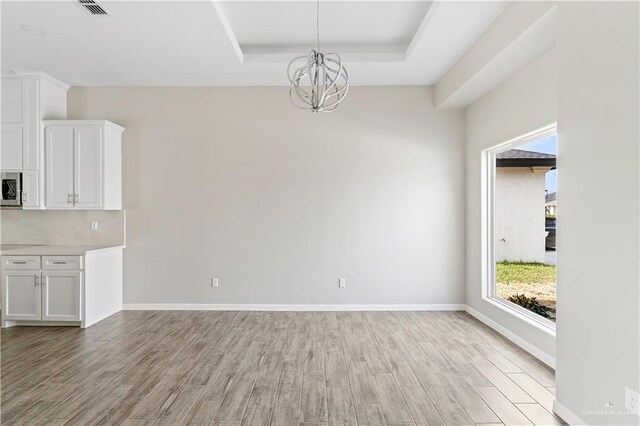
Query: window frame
[[488, 234]]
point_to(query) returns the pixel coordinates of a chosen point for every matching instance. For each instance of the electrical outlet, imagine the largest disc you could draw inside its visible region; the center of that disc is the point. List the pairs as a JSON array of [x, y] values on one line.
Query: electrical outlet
[[631, 401], [342, 283], [214, 282], [94, 225]]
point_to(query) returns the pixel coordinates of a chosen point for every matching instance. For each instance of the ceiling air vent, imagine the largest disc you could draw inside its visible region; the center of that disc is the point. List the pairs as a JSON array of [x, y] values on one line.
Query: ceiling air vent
[[92, 7]]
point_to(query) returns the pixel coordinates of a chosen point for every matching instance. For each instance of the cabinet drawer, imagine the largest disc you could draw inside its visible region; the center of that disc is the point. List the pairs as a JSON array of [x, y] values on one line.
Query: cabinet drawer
[[61, 262], [20, 262]]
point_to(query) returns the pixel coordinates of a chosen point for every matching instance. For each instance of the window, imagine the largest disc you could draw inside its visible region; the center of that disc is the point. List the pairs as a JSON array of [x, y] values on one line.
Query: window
[[521, 225]]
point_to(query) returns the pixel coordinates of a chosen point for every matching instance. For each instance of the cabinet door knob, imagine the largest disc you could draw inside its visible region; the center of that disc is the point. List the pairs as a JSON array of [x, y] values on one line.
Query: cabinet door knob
[[69, 198], [75, 199], [35, 281]]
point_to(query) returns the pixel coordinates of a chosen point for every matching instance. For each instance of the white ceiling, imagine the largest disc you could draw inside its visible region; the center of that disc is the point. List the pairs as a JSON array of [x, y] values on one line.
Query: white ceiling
[[239, 43], [269, 24]]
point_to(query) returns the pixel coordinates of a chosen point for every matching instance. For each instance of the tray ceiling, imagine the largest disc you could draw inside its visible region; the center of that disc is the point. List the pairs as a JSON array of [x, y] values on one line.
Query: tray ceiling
[[238, 43]]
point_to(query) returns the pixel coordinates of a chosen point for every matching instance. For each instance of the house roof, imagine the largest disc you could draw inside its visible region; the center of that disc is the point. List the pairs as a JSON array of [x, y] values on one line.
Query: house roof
[[522, 158], [550, 198]]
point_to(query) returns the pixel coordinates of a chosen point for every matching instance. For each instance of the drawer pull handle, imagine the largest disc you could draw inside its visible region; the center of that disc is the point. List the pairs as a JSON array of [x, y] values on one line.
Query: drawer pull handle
[[19, 262], [58, 262]]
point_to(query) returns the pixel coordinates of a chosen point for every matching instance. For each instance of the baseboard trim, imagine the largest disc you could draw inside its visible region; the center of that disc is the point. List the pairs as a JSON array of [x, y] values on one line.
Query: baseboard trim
[[567, 415], [542, 356], [268, 307]]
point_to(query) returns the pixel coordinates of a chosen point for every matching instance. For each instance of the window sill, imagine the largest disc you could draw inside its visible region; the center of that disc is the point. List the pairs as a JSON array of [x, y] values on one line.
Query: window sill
[[523, 314]]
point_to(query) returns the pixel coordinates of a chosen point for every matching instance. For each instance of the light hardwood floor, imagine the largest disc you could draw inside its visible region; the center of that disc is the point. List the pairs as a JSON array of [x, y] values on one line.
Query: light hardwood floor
[[280, 368]]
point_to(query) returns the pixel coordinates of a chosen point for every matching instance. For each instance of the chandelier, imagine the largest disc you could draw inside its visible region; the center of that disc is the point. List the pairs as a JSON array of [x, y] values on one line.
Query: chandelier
[[321, 83]]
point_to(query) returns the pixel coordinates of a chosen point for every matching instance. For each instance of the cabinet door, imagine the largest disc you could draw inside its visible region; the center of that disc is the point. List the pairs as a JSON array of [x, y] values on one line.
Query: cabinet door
[[59, 167], [61, 295], [21, 295], [31, 125], [88, 174], [11, 100], [30, 190], [11, 147]]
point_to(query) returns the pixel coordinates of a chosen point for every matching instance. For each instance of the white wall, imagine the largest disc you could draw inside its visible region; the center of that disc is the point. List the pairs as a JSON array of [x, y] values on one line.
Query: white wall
[[278, 203], [519, 215], [524, 103], [598, 153]]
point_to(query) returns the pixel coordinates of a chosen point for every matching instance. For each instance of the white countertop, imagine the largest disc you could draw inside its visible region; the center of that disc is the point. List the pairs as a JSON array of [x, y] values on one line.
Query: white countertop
[[51, 250]]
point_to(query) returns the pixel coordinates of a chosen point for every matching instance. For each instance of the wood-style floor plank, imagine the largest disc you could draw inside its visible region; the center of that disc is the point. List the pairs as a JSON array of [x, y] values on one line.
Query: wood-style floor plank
[[392, 402], [538, 414], [314, 398], [470, 401], [535, 389], [369, 414], [271, 368], [340, 406], [508, 412], [361, 383], [420, 406], [260, 405], [235, 400], [202, 413]]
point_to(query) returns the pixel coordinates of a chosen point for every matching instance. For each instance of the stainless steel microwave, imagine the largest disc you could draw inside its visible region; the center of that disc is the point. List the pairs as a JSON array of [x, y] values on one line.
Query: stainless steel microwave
[[11, 189]]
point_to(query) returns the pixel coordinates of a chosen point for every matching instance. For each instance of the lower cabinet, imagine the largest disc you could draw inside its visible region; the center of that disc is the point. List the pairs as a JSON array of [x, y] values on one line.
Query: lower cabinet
[[61, 295], [41, 294], [65, 290], [21, 295]]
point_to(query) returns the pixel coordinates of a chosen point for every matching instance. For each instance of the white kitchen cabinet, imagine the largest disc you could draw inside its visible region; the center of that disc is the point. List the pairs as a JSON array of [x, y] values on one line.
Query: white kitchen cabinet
[[50, 291], [61, 295], [11, 100], [61, 289], [83, 165], [30, 189], [21, 295], [11, 148], [88, 167], [28, 97], [59, 167]]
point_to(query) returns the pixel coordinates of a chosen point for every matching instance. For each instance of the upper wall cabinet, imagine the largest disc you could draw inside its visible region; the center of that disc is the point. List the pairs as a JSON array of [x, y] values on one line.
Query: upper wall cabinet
[[28, 97], [11, 100], [83, 165]]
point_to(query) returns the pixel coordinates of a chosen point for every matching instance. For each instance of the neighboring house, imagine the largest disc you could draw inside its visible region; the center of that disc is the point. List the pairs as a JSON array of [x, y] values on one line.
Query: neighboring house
[[520, 205], [550, 205]]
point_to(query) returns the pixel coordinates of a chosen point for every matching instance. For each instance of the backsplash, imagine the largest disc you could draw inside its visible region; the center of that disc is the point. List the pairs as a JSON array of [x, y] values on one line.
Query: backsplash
[[62, 227]]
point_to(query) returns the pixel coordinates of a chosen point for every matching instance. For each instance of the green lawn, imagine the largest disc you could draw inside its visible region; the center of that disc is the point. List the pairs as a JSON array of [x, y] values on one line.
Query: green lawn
[[530, 279], [520, 272]]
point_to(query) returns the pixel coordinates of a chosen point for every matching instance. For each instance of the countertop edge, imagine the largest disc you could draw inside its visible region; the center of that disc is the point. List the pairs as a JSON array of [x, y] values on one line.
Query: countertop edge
[[58, 250]]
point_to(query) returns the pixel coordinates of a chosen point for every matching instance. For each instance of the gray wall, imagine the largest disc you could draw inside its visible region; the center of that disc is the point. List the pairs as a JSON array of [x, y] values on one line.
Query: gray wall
[[522, 104], [278, 203], [598, 324]]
